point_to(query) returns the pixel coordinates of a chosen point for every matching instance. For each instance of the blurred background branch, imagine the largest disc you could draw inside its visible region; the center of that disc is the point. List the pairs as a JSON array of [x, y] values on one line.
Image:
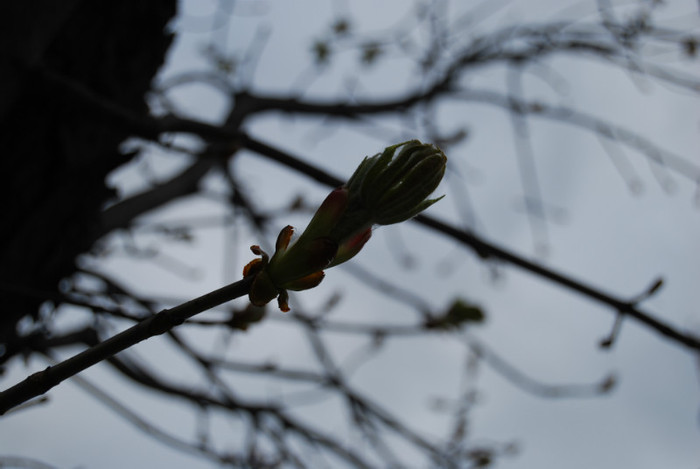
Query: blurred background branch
[[139, 181]]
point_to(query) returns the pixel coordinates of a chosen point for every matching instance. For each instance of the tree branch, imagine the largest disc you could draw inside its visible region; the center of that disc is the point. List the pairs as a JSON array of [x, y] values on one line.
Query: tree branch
[[121, 214], [152, 127], [485, 249], [42, 381]]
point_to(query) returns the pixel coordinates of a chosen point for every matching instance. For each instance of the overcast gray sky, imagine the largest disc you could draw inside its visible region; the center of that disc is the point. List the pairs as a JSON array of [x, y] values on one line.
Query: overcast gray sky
[[610, 237]]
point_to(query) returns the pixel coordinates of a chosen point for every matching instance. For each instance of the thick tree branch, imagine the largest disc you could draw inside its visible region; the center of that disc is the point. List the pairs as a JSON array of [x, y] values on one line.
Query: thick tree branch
[[121, 214]]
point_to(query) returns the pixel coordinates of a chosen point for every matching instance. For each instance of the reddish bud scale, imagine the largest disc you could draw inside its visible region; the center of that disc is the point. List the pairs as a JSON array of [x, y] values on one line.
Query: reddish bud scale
[[387, 188]]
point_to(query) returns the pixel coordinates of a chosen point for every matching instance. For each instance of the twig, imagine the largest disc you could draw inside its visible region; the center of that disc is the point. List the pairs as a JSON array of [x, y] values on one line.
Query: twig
[[628, 308], [485, 249], [150, 127], [42, 381]]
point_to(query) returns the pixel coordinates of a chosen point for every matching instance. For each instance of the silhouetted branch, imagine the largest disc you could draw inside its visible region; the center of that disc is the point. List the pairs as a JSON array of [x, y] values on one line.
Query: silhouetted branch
[[42, 381], [481, 247], [488, 250], [266, 417], [149, 428], [384, 332], [534, 387], [152, 127], [595, 125], [443, 67]]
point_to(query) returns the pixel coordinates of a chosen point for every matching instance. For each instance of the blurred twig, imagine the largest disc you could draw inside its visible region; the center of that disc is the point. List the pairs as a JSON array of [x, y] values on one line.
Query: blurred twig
[[152, 127]]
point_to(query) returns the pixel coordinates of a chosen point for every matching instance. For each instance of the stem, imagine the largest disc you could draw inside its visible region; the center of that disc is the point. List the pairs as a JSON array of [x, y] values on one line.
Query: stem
[[630, 309], [40, 382]]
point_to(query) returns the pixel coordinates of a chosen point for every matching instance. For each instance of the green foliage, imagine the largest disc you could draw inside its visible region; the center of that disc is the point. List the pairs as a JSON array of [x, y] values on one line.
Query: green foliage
[[341, 27], [321, 51], [244, 318], [370, 52], [459, 314]]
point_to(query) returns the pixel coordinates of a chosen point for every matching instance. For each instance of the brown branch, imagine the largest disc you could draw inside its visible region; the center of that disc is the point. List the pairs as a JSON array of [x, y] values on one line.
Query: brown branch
[[121, 214], [151, 127], [601, 127], [152, 430], [393, 331], [139, 374], [42, 381], [623, 307], [485, 249]]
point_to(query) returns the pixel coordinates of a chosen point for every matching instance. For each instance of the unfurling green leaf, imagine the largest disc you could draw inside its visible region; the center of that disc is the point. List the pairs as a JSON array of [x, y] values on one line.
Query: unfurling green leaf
[[387, 188], [457, 315]]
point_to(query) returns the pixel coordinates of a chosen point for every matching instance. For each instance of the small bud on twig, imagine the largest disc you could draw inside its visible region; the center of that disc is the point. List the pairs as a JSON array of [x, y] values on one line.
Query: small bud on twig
[[387, 188]]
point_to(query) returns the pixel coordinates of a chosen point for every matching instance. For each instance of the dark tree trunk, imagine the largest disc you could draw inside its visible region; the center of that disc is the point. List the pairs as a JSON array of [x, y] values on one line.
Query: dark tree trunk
[[54, 157]]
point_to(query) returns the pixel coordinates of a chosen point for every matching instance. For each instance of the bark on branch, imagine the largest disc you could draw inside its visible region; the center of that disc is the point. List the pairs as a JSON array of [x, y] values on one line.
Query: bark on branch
[[42, 381]]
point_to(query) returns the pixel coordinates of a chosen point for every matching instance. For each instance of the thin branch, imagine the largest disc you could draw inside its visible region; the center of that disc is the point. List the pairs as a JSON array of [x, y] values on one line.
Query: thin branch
[[485, 249], [151, 127], [121, 214], [148, 428], [139, 374], [42, 381], [563, 114], [530, 385], [529, 179], [23, 462]]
